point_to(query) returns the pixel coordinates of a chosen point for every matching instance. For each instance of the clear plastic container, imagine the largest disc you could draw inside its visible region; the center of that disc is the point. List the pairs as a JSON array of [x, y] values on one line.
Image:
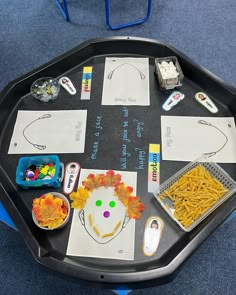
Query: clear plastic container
[[215, 170], [45, 89], [170, 83]]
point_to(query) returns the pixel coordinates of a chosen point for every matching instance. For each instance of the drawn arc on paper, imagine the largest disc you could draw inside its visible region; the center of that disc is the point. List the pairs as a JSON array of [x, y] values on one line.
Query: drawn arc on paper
[[211, 154], [82, 220], [110, 75], [35, 145]]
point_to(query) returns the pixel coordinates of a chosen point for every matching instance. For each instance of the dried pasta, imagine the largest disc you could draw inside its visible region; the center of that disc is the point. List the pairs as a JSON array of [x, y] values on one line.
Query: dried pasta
[[193, 194], [90, 220], [96, 231]]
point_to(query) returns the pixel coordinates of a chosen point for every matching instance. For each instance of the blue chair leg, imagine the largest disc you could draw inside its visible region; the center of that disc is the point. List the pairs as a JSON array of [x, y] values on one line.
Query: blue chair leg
[[129, 24], [63, 8]]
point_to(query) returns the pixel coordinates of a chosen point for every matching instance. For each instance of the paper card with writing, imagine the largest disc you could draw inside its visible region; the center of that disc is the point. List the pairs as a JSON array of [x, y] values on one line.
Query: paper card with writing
[[126, 81], [188, 138], [40, 132]]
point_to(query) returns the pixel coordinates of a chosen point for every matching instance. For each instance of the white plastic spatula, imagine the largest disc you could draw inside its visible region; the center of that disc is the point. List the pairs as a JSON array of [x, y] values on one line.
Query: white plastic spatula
[[67, 85], [205, 101]]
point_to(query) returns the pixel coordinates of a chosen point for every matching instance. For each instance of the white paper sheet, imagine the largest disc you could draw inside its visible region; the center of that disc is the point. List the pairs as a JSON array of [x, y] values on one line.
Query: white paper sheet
[[38, 132], [126, 81], [81, 243], [188, 138]]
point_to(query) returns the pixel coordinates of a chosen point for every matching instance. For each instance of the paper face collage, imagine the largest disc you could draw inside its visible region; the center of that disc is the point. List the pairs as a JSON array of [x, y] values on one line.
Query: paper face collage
[[102, 228]]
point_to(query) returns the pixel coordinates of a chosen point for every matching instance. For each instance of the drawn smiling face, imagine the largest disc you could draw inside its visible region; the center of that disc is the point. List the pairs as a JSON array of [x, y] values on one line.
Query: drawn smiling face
[[104, 215]]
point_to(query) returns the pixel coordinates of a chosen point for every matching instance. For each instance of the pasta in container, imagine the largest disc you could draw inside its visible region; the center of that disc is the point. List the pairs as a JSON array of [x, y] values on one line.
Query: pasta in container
[[194, 192]]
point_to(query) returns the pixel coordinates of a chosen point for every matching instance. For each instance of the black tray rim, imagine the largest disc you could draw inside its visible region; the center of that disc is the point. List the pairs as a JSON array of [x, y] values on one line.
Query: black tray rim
[[87, 43], [122, 280]]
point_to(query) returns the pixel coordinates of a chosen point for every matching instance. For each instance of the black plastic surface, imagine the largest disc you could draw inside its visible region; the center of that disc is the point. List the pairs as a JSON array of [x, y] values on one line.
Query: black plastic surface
[[49, 248]]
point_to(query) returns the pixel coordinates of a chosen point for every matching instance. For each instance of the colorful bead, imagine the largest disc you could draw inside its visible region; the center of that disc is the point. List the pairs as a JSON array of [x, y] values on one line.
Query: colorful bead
[[106, 214], [41, 175], [36, 173], [29, 174], [98, 203], [43, 171], [112, 204]]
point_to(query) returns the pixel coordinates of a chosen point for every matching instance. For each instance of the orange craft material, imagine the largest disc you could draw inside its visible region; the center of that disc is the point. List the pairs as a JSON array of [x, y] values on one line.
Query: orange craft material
[[110, 179], [49, 211]]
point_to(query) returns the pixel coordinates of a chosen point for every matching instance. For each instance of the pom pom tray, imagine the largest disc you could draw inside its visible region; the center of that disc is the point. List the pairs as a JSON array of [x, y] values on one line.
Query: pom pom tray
[[176, 245]]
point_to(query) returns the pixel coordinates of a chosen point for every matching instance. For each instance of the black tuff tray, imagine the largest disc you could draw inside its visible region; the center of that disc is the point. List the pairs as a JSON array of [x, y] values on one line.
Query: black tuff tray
[[49, 248]]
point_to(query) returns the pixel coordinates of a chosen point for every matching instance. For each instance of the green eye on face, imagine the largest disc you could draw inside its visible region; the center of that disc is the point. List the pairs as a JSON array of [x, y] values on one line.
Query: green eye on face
[[98, 203], [112, 204]]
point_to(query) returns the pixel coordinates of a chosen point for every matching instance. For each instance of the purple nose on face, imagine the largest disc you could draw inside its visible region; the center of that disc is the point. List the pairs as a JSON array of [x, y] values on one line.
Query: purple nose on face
[[106, 214]]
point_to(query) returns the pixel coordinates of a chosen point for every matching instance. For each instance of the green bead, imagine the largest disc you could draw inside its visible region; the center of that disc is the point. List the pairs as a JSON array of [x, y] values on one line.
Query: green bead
[[41, 175], [98, 203], [112, 204]]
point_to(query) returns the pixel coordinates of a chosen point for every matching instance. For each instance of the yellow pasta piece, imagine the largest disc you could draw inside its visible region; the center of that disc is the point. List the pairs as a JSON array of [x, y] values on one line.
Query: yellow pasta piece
[[107, 235], [117, 226], [96, 231], [114, 231], [90, 220]]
